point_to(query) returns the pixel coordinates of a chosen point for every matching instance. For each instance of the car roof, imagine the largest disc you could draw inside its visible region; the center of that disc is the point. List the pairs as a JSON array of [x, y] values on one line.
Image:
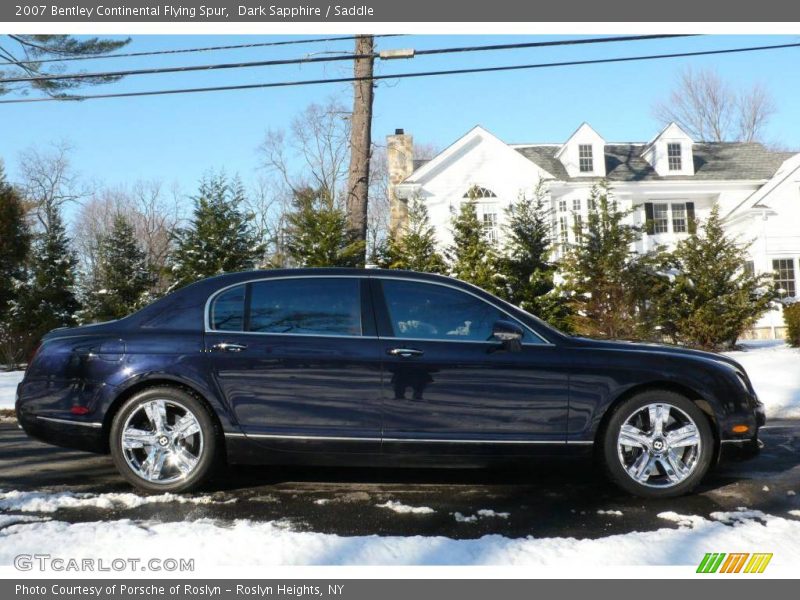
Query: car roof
[[229, 278]]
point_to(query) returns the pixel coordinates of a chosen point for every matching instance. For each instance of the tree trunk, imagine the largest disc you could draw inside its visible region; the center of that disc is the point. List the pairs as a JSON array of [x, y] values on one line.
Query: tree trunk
[[360, 138]]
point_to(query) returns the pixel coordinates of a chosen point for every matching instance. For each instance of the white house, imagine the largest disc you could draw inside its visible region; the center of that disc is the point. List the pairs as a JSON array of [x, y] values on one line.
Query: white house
[[669, 181]]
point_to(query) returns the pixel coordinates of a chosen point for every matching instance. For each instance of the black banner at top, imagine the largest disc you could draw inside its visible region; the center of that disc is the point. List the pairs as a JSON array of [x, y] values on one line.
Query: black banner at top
[[375, 11]]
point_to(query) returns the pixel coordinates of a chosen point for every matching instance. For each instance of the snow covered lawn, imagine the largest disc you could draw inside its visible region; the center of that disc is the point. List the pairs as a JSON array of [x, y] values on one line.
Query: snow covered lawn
[[8, 387], [683, 540], [774, 369]]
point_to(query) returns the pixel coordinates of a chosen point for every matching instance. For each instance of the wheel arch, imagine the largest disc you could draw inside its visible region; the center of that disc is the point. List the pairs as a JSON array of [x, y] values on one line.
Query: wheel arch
[[159, 381], [670, 386]]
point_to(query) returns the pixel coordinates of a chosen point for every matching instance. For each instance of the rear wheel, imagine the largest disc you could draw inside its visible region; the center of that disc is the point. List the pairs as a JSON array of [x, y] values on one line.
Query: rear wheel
[[658, 444], [164, 440]]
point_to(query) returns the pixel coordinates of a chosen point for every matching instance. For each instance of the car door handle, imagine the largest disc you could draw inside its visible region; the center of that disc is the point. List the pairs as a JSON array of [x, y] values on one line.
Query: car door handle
[[405, 352], [229, 347]]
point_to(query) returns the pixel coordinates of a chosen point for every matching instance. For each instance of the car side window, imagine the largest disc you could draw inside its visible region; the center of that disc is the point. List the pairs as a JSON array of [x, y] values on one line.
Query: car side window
[[227, 310], [314, 305], [435, 312]]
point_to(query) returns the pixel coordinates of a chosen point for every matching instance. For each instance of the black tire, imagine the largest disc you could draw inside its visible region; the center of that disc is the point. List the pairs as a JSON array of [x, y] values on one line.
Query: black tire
[[207, 447], [617, 472]]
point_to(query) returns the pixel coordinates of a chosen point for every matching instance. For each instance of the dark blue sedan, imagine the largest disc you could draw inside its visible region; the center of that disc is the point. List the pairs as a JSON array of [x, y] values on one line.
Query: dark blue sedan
[[355, 367]]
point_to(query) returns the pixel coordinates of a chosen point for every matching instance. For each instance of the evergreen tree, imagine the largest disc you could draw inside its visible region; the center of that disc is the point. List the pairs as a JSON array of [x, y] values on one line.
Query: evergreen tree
[[35, 54], [219, 238], [15, 241], [606, 281], [472, 256], [47, 299], [122, 279], [317, 234], [414, 248], [526, 268], [712, 298]]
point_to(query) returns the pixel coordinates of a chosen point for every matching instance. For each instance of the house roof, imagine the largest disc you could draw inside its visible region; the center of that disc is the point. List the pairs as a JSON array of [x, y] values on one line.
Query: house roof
[[712, 161]]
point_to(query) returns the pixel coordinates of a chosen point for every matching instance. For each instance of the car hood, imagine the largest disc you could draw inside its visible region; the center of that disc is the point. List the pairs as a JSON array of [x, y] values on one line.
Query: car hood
[[656, 348]]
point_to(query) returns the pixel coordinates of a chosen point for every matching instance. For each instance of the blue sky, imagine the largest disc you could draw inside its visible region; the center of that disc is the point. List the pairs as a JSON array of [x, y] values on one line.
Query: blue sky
[[178, 138]]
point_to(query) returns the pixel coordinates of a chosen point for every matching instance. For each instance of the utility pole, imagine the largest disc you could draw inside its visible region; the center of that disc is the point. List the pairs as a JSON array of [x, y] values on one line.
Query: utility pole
[[360, 137]]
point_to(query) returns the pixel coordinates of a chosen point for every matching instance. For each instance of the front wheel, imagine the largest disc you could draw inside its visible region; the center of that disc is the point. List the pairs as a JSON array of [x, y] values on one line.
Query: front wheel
[[658, 444], [164, 440]]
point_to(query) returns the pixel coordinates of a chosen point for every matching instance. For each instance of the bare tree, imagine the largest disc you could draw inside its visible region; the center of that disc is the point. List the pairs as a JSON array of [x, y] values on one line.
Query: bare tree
[[92, 221], [710, 109], [268, 207], [313, 152], [153, 214], [48, 181], [754, 110]]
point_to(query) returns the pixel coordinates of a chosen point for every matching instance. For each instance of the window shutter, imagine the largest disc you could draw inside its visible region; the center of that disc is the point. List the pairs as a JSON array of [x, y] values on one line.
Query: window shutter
[[690, 223], [649, 225]]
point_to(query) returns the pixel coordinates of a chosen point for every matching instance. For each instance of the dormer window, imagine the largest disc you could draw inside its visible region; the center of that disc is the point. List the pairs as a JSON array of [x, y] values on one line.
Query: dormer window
[[585, 160], [674, 157]]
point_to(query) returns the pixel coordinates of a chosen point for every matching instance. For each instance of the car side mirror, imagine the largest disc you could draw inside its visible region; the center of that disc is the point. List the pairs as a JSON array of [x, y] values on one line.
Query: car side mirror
[[509, 334]]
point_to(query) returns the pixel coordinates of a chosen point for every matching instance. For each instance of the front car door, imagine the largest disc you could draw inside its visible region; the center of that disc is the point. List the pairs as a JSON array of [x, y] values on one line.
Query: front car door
[[297, 360], [450, 388]]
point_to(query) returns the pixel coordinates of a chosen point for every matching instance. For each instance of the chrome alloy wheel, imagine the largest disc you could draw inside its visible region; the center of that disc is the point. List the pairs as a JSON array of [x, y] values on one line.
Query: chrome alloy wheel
[[659, 445], [162, 441]]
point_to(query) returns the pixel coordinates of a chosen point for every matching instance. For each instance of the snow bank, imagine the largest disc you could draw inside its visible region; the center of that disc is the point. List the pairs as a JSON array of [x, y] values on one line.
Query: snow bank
[[8, 387], [44, 502], [247, 543], [774, 369]]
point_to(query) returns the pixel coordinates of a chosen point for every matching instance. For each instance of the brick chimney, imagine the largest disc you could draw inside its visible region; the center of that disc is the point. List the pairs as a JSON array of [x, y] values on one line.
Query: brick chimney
[[400, 156]]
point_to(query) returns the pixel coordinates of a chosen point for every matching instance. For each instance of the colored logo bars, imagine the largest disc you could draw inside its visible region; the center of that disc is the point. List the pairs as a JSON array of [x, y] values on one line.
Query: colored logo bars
[[736, 562]]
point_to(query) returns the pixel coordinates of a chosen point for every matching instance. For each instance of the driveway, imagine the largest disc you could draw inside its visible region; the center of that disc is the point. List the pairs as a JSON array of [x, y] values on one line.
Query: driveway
[[565, 499]]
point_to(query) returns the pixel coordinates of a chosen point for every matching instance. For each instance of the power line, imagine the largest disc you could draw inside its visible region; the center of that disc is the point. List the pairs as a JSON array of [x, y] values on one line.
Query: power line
[[319, 59], [182, 50], [406, 75], [571, 42], [185, 69]]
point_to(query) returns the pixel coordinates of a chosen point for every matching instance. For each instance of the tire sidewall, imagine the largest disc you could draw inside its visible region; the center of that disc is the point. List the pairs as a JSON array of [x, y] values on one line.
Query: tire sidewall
[[619, 475], [207, 426]]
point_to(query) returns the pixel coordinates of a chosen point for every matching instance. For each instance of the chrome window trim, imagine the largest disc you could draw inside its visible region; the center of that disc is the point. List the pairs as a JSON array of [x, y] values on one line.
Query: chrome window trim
[[279, 436], [458, 289], [210, 299], [70, 421]]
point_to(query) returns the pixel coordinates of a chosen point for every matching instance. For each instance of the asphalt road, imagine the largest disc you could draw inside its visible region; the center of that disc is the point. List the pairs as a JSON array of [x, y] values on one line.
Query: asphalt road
[[560, 499]]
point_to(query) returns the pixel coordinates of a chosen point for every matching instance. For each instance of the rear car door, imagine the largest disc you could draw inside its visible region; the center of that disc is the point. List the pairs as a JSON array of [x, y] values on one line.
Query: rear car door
[[451, 388], [298, 361]]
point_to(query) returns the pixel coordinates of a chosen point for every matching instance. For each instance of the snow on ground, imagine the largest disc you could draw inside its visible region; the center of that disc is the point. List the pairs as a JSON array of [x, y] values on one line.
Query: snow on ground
[[484, 513], [7, 520], [614, 513], [43, 502], [8, 387], [405, 509], [248, 543], [774, 369]]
